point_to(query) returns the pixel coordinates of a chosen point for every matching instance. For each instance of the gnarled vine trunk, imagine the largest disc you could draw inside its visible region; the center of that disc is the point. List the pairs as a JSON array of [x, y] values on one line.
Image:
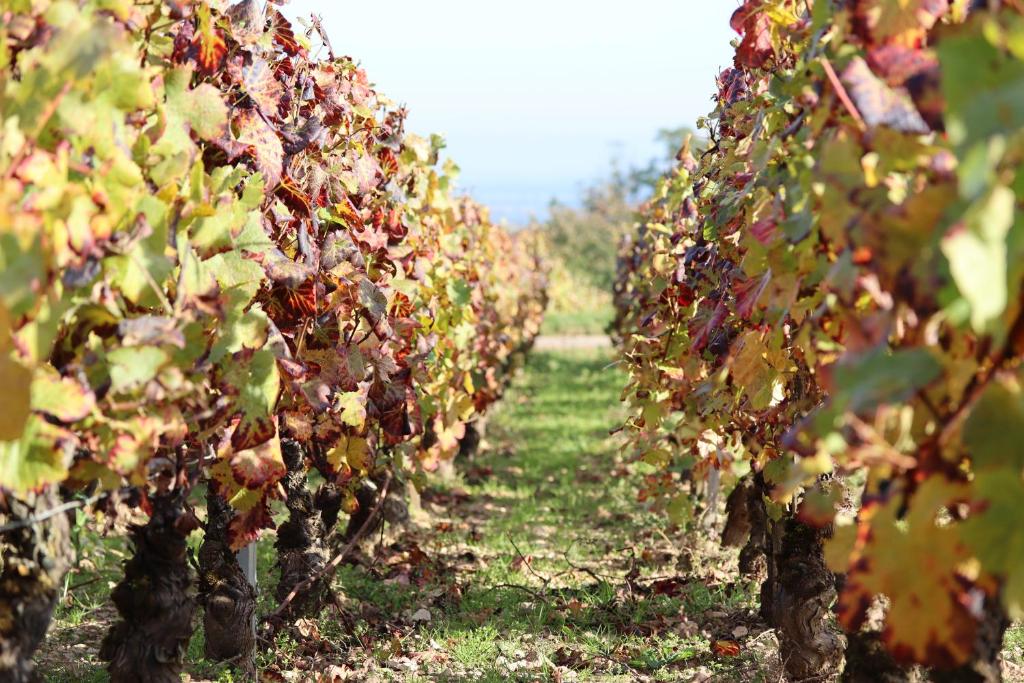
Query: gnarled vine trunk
[[301, 547], [469, 445], [797, 597], [328, 501], [802, 593], [395, 509], [155, 598], [746, 526], [988, 645], [227, 597], [33, 561]]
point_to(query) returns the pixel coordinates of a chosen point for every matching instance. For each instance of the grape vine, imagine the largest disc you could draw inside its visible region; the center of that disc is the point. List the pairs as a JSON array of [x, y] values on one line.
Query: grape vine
[[827, 301], [219, 246]]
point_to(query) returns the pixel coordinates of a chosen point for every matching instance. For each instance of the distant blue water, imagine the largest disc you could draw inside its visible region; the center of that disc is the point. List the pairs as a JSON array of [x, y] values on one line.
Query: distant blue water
[[516, 202]]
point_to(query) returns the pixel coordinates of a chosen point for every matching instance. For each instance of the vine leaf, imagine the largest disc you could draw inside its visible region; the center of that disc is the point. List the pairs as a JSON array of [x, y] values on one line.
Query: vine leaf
[[748, 291], [16, 379], [37, 458], [210, 48], [993, 533], [903, 22], [880, 377], [976, 250], [994, 431], [255, 468], [253, 379], [880, 104], [351, 406], [256, 79], [133, 366], [15, 398], [751, 21], [983, 84], [992, 436], [62, 398], [915, 562], [750, 369], [353, 451], [263, 144], [202, 108]]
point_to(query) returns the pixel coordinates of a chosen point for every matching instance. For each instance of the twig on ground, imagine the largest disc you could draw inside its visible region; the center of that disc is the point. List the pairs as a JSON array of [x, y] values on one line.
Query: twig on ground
[[343, 616], [627, 665], [525, 589], [759, 636], [589, 572], [82, 584], [526, 563]]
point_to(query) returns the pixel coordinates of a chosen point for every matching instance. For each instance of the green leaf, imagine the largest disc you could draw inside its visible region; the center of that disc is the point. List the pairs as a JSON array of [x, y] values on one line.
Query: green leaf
[[881, 376], [133, 366], [33, 460], [146, 263], [352, 406], [983, 86], [977, 255], [202, 108], [240, 330], [21, 264], [994, 431], [994, 534], [373, 299], [459, 292], [232, 271], [61, 397], [254, 379]]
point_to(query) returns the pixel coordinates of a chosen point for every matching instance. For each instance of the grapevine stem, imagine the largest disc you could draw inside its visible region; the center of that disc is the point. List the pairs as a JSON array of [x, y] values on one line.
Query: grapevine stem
[[331, 566], [844, 97]]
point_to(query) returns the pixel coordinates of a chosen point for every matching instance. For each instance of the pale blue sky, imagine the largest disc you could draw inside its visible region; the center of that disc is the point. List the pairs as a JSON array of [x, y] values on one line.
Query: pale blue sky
[[535, 97]]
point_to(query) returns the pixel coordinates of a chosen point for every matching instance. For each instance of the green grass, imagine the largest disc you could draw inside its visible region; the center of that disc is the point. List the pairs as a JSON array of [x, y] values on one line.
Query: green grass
[[556, 493], [1013, 646], [585, 321]]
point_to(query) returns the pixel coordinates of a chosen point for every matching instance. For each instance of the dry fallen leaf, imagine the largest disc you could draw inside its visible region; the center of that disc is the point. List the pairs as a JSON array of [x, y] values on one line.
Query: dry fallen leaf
[[725, 648]]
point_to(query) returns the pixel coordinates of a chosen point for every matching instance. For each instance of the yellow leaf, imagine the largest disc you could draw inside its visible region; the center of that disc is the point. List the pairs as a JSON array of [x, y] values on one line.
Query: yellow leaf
[[353, 450], [16, 381]]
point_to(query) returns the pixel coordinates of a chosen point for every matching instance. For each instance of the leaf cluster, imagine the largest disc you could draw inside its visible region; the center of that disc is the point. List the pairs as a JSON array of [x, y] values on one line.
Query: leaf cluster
[[834, 288], [214, 237]]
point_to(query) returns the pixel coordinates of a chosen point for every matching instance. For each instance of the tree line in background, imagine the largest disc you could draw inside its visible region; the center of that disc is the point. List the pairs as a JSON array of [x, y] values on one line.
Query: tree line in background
[[235, 294], [583, 241]]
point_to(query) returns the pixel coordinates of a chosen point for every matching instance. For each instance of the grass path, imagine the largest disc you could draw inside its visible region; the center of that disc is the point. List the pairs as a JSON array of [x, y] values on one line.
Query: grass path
[[538, 564], [546, 568], [535, 564]]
